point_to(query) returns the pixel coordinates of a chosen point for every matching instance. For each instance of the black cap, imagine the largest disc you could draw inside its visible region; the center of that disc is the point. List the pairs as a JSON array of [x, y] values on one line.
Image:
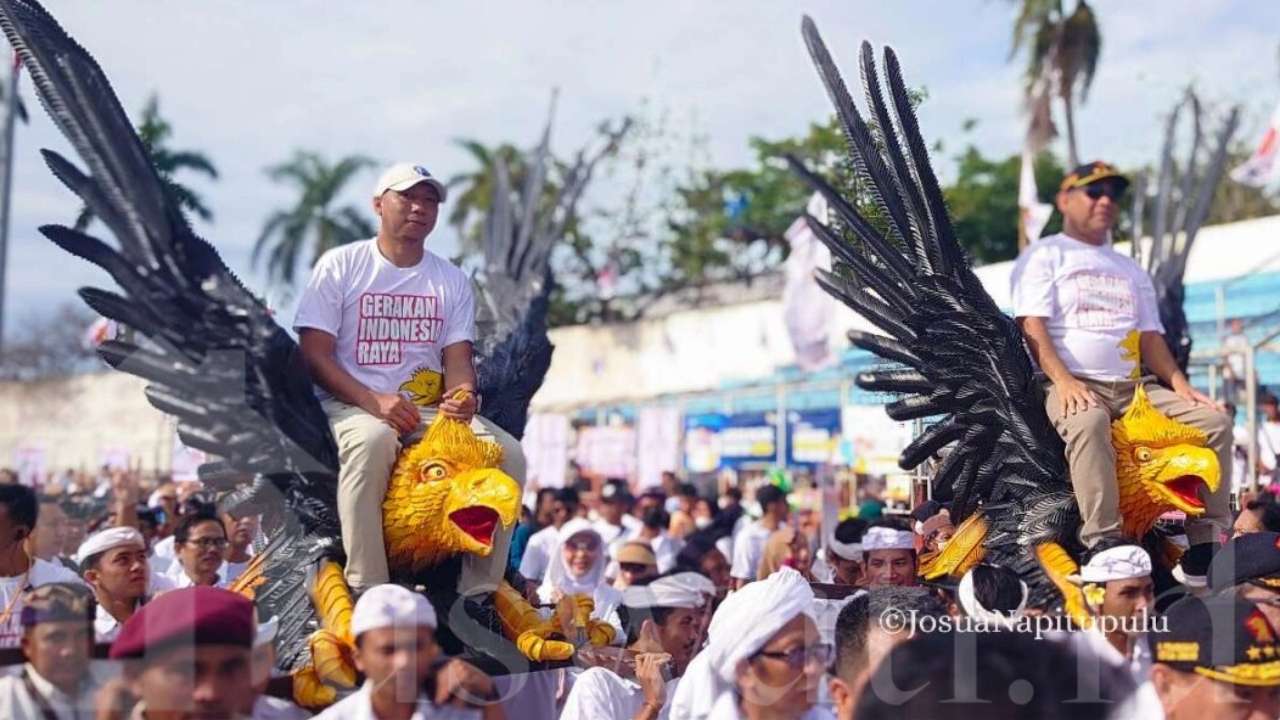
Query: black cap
[[613, 492], [1190, 639], [1251, 558], [1091, 173]]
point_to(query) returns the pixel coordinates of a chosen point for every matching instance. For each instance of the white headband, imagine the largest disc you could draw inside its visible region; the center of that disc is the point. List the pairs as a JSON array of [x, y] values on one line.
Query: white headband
[[848, 551], [974, 608], [1123, 562], [883, 538]]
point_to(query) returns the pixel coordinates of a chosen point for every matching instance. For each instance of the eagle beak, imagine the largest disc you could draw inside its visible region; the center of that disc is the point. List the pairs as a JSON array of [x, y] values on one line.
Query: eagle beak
[[480, 502], [1188, 469]]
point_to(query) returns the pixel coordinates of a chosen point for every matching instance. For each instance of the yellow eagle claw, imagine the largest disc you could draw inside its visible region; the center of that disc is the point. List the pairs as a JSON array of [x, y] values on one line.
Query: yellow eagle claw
[[600, 633], [332, 659], [535, 645], [309, 692]]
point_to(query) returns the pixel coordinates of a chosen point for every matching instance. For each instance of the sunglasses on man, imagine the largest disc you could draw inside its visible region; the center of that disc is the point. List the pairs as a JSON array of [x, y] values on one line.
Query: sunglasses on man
[[1098, 190]]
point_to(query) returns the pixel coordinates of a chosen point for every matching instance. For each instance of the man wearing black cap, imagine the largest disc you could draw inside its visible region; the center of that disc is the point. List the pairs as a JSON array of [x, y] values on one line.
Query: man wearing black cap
[[1091, 323], [1216, 658], [57, 637], [1249, 567]]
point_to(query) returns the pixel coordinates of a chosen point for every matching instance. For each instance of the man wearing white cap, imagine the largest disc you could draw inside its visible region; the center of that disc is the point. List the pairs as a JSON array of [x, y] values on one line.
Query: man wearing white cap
[[386, 329], [890, 556], [396, 650], [665, 619], [114, 563], [1120, 597]]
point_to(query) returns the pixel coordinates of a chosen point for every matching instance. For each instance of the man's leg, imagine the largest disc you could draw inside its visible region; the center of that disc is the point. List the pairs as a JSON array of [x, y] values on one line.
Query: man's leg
[[1091, 462], [367, 449], [1217, 426], [484, 574]]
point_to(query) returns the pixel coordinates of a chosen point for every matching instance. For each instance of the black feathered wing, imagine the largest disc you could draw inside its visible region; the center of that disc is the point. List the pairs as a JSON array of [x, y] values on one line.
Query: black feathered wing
[[955, 357], [214, 356]]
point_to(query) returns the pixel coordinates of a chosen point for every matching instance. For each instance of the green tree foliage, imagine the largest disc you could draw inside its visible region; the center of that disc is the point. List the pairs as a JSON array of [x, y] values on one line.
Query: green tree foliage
[[155, 133], [983, 202], [313, 220]]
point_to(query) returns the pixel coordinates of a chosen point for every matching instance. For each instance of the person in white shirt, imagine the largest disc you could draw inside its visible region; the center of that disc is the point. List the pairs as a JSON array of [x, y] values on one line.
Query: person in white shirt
[[577, 568], [763, 658], [748, 542], [57, 640], [386, 328], [396, 650], [1091, 323], [199, 543], [19, 571], [240, 534], [665, 620], [259, 705], [1120, 597], [615, 525], [114, 564], [542, 544]]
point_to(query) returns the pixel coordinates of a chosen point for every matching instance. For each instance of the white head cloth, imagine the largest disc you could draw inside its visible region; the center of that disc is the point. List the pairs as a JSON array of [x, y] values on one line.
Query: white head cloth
[[1123, 562], [681, 590], [266, 633], [847, 551], [974, 608], [558, 575], [390, 605], [883, 538], [108, 539], [743, 624]]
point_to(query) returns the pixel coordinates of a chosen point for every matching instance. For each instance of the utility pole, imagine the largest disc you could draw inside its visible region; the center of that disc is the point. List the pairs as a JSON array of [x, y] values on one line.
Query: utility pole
[[6, 178]]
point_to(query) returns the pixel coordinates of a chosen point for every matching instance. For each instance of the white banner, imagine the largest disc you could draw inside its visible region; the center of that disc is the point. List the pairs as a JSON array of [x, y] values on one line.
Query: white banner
[[1035, 214], [546, 450], [1263, 166], [31, 464], [807, 309], [657, 444], [876, 439], [608, 451]]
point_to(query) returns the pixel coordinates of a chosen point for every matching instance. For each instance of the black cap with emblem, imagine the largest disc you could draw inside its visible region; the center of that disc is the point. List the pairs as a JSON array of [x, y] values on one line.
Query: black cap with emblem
[[1252, 558], [1224, 638]]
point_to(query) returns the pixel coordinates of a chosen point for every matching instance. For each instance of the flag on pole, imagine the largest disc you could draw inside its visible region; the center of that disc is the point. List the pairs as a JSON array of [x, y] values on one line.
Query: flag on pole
[[1033, 213], [807, 309], [1263, 166]]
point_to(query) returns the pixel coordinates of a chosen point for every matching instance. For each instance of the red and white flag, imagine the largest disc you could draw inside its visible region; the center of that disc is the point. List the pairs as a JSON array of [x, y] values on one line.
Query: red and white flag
[[1263, 167]]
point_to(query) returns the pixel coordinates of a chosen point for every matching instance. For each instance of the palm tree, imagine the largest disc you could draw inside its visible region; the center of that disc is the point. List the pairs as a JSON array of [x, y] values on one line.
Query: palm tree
[[313, 220], [1062, 56], [155, 131], [471, 193]]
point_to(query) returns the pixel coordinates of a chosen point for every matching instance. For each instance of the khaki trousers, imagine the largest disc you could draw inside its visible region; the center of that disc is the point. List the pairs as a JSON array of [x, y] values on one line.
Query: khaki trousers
[[1091, 458], [367, 450]]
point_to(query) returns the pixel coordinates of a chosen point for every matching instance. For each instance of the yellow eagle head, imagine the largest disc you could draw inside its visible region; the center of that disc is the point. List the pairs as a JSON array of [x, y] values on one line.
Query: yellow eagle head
[[446, 496], [1161, 464]]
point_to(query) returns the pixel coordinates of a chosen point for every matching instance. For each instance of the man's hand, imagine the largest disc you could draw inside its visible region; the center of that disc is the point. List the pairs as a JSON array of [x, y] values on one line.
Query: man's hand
[[459, 408], [124, 486], [649, 668], [1074, 396], [1183, 389], [460, 683], [396, 411]]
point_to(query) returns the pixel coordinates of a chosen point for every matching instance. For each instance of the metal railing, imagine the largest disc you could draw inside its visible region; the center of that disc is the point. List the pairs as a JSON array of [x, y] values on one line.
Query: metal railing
[[1213, 360]]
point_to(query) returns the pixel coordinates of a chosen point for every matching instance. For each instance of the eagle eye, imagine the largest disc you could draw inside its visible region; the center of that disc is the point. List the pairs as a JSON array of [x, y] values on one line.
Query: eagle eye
[[434, 471], [1142, 454]]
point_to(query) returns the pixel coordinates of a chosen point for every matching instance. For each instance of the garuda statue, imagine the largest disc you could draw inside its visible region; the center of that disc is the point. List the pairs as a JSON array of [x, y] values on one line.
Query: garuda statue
[[216, 359], [956, 359]]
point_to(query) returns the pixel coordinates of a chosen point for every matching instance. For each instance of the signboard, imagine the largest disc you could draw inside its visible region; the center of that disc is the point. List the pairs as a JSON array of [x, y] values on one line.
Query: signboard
[[714, 441], [813, 437]]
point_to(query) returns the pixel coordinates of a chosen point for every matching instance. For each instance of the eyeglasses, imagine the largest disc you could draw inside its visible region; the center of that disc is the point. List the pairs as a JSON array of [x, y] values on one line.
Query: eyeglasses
[[584, 545], [1098, 190], [800, 657], [634, 568], [208, 543]]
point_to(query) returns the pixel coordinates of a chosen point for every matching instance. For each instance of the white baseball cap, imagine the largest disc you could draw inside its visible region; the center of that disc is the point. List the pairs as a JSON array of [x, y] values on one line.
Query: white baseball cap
[[403, 176], [390, 606]]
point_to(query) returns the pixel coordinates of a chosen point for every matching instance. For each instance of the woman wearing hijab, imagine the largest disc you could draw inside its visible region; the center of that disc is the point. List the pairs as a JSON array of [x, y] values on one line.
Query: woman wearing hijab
[[763, 659], [577, 568], [786, 548]]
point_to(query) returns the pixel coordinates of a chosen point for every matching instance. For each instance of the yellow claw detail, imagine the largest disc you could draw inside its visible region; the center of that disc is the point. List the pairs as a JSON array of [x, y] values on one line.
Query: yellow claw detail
[[536, 645], [309, 692], [1057, 565], [332, 600], [332, 659], [962, 552], [524, 625], [600, 633]]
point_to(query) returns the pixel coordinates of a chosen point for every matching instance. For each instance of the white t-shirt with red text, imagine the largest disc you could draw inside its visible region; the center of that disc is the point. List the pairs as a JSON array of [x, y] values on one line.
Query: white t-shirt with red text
[[391, 323], [1094, 300]]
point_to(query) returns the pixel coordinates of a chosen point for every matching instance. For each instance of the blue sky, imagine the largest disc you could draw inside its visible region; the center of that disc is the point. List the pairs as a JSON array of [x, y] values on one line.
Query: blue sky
[[248, 82]]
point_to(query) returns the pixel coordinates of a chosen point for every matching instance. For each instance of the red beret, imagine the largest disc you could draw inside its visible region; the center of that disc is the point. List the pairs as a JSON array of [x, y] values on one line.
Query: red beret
[[196, 615]]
